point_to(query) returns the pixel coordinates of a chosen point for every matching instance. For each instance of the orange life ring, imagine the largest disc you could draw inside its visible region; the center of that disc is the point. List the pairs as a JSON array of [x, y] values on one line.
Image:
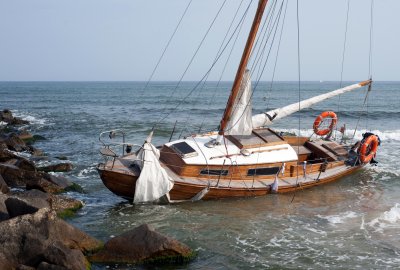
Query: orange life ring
[[368, 148], [320, 118]]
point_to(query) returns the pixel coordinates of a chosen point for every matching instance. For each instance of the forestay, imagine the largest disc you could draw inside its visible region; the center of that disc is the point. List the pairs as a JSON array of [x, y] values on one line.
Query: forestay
[[240, 121], [153, 182]]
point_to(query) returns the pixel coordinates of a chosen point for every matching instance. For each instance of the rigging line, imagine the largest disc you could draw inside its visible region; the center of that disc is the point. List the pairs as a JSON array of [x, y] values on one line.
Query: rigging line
[[371, 32], [218, 52], [165, 48], [258, 80], [365, 104], [370, 39], [266, 33], [261, 57], [226, 62], [266, 23], [344, 51], [275, 27], [299, 85], [277, 55], [209, 70], [194, 55]]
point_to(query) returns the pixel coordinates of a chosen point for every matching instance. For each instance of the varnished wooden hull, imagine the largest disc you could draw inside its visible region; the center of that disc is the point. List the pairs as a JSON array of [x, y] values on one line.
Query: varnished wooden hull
[[124, 186], [118, 183], [182, 191]]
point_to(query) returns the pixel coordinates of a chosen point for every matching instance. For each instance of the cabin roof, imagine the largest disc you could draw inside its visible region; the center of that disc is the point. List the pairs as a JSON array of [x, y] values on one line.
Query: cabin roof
[[231, 152]]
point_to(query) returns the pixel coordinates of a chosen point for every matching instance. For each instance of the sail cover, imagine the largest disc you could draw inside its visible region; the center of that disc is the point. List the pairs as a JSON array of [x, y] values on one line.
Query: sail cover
[[267, 118], [153, 182], [240, 122]]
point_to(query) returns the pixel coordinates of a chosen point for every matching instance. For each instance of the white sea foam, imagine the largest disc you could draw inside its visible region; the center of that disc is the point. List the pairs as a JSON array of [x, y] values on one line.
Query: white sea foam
[[388, 219], [30, 118], [385, 135], [84, 173], [337, 219]]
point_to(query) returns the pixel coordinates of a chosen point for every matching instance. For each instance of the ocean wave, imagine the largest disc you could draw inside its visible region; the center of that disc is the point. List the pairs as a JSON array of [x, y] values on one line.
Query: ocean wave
[[387, 219], [386, 135], [30, 118], [338, 219]]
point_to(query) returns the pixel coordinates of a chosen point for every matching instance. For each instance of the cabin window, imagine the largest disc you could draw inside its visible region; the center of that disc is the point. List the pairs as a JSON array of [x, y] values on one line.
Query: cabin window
[[184, 150], [214, 172], [263, 171]]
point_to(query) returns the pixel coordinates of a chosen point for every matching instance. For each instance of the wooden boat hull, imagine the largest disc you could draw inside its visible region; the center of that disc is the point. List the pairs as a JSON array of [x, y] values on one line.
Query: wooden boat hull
[[124, 186], [183, 191], [118, 183]]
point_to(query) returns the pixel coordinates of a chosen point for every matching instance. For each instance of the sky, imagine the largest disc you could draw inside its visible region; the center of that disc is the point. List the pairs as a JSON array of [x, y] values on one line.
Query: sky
[[122, 40]]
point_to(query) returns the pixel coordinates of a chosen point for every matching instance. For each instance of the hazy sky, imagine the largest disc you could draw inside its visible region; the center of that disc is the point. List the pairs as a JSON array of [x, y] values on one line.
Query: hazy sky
[[69, 40]]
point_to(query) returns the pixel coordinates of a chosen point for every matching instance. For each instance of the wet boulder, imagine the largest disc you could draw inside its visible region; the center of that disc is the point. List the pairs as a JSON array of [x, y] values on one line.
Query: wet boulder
[[42, 237], [14, 176], [3, 186], [14, 143], [142, 244], [7, 116], [60, 167], [3, 209], [27, 203]]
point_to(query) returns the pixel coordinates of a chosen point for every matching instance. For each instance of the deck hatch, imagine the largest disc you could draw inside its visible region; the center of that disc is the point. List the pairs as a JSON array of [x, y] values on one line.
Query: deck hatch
[[184, 150], [263, 171]]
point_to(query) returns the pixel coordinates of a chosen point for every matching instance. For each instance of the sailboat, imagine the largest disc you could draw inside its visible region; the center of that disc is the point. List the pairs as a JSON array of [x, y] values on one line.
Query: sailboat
[[244, 158]]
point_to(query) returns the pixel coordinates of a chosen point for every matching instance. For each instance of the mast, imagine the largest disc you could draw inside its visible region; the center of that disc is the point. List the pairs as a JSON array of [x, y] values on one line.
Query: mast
[[243, 64]]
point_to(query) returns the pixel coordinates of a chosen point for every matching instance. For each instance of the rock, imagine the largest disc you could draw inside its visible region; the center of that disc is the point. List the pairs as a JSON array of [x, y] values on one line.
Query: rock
[[27, 203], [15, 143], [25, 267], [22, 163], [59, 255], [6, 116], [16, 177], [62, 157], [142, 244], [3, 186], [60, 181], [35, 151], [60, 167], [3, 208], [31, 201], [25, 136], [42, 237], [47, 266], [5, 263], [43, 185]]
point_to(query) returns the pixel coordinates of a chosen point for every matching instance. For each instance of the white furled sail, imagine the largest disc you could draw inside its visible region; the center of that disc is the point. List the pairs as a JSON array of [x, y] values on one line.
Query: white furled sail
[[267, 118], [240, 121], [153, 182]]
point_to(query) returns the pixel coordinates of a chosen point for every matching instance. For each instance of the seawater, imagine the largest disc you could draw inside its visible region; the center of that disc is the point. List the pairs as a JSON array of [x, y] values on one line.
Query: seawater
[[352, 223]]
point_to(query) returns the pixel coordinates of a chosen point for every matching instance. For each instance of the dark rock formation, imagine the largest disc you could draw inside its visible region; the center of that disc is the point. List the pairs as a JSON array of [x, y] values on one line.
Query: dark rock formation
[[142, 244], [33, 239], [14, 143], [60, 167], [3, 186], [16, 177], [6, 116], [3, 210], [31, 201]]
